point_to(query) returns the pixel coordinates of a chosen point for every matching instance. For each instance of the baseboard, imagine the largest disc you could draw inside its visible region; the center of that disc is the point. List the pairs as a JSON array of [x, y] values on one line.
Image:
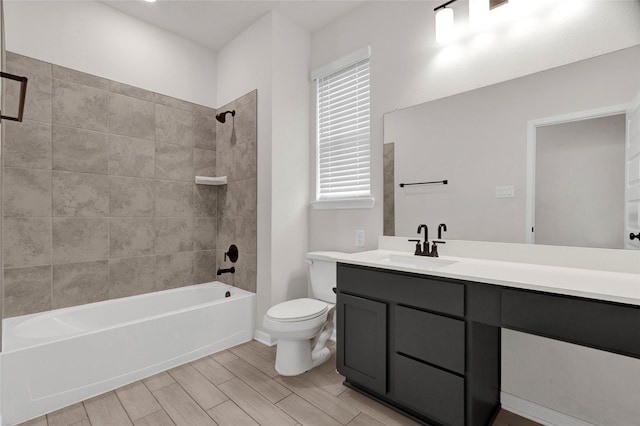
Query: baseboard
[[263, 338], [538, 413]]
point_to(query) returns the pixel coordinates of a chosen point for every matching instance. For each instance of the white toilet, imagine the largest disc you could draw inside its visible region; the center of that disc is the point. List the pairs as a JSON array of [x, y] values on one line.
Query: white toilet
[[294, 322]]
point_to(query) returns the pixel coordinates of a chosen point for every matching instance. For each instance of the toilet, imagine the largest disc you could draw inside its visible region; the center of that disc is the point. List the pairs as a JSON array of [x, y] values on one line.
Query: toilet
[[295, 322]]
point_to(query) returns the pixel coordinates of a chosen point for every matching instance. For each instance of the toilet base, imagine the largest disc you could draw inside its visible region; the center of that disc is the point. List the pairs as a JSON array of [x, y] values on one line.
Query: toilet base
[[293, 357]]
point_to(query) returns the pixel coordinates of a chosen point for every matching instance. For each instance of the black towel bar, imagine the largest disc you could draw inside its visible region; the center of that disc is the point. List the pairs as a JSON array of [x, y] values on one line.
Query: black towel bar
[[444, 182]]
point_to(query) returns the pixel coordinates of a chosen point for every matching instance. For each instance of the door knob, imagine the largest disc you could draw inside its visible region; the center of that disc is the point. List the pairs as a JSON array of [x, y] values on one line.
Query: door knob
[[632, 235]]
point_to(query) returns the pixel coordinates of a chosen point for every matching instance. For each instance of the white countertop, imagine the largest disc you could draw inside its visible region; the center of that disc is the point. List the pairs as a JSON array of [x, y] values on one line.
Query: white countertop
[[593, 284]]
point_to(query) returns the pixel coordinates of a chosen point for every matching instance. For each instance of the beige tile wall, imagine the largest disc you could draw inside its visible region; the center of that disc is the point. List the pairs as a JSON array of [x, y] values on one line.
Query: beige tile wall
[[236, 149], [389, 188], [99, 193]]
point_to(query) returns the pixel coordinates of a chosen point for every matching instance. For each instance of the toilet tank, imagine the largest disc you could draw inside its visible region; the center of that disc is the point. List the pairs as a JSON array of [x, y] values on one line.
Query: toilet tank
[[322, 274]]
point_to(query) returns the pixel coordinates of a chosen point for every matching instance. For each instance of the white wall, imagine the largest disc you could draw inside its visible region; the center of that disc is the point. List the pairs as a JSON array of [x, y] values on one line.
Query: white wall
[[290, 160], [581, 165], [272, 55], [408, 68], [91, 37]]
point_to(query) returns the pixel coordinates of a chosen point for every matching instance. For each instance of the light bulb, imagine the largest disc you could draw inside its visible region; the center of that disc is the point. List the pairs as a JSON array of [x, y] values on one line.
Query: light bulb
[[444, 25]]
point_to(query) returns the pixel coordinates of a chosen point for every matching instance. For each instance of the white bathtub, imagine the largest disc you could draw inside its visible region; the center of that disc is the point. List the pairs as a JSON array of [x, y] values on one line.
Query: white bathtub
[[56, 358]]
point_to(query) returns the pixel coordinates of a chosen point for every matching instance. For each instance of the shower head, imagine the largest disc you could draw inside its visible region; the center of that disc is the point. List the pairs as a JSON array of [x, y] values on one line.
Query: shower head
[[222, 117]]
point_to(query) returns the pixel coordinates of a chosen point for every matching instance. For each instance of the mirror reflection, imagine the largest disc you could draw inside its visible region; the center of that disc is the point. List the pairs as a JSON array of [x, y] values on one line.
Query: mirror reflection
[[483, 142]]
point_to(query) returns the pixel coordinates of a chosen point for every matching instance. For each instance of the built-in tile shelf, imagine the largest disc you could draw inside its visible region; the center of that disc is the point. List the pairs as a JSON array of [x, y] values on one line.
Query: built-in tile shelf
[[211, 180]]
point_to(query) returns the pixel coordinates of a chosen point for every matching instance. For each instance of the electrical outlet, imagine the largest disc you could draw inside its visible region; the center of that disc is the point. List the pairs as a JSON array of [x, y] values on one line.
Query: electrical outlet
[[505, 191], [359, 237]]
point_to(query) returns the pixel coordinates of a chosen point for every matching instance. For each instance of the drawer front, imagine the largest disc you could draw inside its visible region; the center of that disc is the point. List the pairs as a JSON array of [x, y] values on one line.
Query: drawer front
[[436, 394], [602, 325], [432, 338], [420, 291]]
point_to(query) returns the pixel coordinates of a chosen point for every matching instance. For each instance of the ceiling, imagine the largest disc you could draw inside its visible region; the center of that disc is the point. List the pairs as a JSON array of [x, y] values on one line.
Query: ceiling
[[213, 23]]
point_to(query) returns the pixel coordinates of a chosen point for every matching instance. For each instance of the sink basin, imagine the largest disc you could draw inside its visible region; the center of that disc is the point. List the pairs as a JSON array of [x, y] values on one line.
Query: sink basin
[[429, 263]]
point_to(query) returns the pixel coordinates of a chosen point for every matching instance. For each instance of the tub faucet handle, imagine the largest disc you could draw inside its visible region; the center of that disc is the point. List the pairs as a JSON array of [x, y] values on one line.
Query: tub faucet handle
[[232, 253]]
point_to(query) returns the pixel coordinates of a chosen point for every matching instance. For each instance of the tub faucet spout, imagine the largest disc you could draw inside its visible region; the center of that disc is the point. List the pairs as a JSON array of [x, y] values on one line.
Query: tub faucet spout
[[231, 270]]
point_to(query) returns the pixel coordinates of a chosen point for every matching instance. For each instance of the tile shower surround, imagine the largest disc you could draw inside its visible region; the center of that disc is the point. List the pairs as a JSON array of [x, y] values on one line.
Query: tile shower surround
[[99, 199]]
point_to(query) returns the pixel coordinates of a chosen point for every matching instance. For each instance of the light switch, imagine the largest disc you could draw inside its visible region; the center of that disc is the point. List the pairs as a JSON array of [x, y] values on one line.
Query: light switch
[[505, 191]]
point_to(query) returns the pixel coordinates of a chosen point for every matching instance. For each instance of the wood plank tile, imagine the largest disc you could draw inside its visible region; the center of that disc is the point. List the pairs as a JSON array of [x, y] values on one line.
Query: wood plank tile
[[158, 381], [197, 386], [328, 403], [183, 410], [229, 414], [159, 418], [376, 410], [67, 416], [83, 422], [323, 399], [331, 382], [364, 419], [259, 381], [212, 370], [39, 421], [106, 410], [507, 418], [246, 352], [223, 357], [268, 352], [137, 400], [254, 404], [306, 413]]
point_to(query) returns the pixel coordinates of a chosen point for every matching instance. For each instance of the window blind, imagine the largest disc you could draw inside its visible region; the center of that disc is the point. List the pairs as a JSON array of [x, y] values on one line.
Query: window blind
[[343, 133]]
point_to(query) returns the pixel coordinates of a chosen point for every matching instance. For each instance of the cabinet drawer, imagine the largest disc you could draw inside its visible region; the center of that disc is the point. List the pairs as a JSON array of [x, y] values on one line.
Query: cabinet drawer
[[436, 394], [409, 289], [592, 323], [432, 338]]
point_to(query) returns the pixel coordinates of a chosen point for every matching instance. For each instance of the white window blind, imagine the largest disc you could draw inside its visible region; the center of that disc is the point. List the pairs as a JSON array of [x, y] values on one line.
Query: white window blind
[[343, 157]]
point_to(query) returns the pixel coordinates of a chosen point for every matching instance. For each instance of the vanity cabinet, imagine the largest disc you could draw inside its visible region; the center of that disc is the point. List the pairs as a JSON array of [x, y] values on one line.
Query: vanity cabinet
[[404, 339]]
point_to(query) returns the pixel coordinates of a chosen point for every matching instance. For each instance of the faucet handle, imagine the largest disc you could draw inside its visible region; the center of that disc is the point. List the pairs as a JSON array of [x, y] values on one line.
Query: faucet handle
[[418, 251]]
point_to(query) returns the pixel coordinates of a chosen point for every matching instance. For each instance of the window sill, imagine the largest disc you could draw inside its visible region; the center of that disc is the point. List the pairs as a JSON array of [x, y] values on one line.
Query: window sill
[[344, 203]]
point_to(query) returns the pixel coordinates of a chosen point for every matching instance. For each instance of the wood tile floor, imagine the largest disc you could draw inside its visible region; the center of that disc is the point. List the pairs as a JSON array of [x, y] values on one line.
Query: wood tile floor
[[236, 387]]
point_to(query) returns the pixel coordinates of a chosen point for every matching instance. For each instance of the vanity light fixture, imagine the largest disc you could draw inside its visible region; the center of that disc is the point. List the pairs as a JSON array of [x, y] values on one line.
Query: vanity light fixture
[[445, 29], [497, 3], [150, 1]]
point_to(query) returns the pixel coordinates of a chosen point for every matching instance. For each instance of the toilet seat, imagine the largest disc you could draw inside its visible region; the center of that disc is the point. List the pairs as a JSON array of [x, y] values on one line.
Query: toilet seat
[[297, 310]]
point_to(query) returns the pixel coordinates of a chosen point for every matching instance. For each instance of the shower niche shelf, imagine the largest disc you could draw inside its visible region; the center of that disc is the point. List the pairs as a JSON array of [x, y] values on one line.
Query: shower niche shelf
[[211, 180]]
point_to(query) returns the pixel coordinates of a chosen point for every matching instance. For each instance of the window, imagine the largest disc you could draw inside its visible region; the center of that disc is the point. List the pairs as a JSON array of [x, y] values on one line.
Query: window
[[343, 146]]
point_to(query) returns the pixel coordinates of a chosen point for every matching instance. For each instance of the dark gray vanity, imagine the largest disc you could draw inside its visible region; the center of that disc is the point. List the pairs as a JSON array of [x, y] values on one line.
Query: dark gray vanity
[[429, 346]]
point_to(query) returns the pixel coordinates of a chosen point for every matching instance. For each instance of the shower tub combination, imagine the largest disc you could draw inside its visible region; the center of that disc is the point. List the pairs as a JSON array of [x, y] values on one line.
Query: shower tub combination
[[57, 358]]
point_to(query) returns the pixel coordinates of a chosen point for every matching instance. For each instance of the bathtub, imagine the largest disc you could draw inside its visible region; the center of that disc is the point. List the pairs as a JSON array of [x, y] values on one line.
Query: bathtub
[[57, 358]]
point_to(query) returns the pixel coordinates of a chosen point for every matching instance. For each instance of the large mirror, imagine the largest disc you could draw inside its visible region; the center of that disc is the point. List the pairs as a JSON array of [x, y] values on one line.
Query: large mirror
[[485, 142]]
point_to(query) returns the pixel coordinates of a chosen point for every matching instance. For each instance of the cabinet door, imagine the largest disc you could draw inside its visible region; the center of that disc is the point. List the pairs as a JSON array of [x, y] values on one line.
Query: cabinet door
[[362, 342]]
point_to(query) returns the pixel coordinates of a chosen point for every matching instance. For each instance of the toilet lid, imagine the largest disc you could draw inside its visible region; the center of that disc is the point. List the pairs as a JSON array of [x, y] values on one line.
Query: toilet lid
[[297, 310]]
